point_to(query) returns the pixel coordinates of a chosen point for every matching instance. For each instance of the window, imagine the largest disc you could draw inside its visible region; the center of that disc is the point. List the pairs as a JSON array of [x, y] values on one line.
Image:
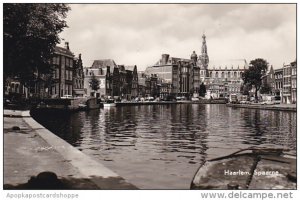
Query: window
[[57, 73]]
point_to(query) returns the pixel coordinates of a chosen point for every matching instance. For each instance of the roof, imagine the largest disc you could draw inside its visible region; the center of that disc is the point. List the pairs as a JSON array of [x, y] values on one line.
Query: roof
[[103, 63], [95, 71], [280, 70], [172, 60], [231, 63], [64, 51], [121, 68], [130, 67]]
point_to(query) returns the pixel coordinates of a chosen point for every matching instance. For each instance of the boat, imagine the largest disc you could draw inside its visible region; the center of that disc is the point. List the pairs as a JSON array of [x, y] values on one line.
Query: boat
[[109, 103], [92, 103], [251, 168], [82, 106]]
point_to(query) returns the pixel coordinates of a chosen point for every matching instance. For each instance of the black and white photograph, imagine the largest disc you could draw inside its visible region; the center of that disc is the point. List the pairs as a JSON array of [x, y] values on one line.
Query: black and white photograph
[[141, 96]]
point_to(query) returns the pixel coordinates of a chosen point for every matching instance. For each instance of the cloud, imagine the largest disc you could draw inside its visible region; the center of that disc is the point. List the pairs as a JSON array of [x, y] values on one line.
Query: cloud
[[140, 33]]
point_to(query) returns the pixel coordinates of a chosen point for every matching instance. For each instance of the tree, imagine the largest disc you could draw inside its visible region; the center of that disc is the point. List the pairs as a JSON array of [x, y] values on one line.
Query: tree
[[265, 89], [245, 88], [253, 75], [94, 83], [202, 90], [30, 34]]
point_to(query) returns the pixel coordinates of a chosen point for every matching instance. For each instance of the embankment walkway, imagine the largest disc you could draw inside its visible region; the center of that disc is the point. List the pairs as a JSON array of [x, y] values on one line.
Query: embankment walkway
[[30, 149], [277, 107]]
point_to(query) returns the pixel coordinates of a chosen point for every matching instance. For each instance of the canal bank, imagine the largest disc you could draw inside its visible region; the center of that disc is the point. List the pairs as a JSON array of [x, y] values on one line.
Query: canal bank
[[276, 107], [30, 150]]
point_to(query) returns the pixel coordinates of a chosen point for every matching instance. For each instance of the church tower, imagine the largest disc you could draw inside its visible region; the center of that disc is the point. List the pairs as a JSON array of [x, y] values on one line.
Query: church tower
[[204, 56]]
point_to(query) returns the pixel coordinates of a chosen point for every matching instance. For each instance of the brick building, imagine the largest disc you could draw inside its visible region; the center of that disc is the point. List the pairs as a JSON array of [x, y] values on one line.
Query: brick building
[[62, 76]]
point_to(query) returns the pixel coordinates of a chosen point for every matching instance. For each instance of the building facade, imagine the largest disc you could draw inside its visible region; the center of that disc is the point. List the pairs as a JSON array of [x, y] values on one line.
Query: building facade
[[278, 81], [116, 81], [62, 76], [227, 76], [185, 75], [102, 70], [78, 77], [182, 74], [287, 87], [294, 82]]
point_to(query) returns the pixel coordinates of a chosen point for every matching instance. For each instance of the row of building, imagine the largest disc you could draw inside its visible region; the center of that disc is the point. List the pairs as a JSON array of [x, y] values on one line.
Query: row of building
[[283, 82], [67, 78], [169, 77], [185, 76]]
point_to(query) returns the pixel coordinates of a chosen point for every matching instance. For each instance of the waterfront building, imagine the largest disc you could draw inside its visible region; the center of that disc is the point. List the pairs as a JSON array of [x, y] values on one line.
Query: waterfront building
[[268, 80], [78, 77], [185, 75], [152, 86], [132, 79], [141, 84], [102, 70], [182, 74], [227, 74], [14, 89], [62, 76], [294, 82], [278, 80], [128, 81], [66, 78], [101, 75], [117, 81], [271, 79], [286, 94]]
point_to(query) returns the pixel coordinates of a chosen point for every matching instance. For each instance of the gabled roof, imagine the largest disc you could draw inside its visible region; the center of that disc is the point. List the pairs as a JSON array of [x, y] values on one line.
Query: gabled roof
[[64, 51], [103, 63], [121, 68], [130, 67]]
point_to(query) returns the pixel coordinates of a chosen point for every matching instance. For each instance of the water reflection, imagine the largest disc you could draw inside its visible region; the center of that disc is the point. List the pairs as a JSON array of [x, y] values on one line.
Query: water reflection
[[161, 146]]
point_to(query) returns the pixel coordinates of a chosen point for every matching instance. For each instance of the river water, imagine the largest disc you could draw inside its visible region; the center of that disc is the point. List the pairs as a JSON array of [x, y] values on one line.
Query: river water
[[161, 146]]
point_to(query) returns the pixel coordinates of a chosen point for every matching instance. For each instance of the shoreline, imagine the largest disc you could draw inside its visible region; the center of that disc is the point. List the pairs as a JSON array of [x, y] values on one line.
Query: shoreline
[[39, 150], [278, 107]]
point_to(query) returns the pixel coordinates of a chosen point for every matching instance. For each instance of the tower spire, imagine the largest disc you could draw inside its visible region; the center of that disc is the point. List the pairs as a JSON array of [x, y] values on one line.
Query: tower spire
[[204, 47], [204, 60], [204, 56]]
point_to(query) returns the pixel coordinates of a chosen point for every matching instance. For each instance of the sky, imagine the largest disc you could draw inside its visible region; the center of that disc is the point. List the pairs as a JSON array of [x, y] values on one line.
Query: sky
[[137, 34]]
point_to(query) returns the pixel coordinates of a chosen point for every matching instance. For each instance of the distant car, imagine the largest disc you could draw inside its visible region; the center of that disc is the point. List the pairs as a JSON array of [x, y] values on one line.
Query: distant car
[[149, 99], [67, 97], [180, 98], [244, 102], [195, 99], [267, 103]]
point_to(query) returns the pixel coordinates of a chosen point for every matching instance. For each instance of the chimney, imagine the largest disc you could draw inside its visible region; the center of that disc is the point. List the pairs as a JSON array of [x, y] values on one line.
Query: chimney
[[67, 45], [79, 56], [164, 59]]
